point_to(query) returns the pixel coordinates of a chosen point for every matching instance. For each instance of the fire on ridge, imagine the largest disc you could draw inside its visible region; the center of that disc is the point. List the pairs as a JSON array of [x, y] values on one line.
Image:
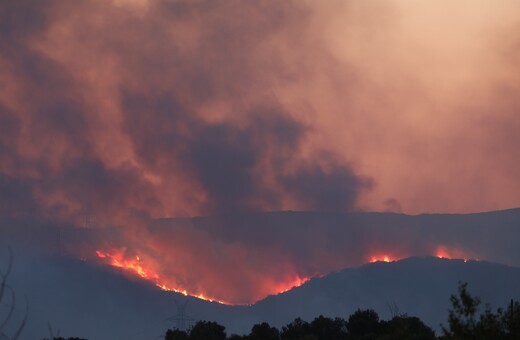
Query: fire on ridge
[[137, 266], [441, 252]]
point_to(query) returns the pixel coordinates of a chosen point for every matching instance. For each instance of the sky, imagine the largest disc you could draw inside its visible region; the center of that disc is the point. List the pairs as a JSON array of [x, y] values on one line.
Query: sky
[[175, 108], [127, 110]]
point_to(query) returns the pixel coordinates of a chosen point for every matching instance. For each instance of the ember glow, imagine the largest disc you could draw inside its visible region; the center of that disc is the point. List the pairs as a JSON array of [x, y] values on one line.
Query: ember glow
[[136, 266], [444, 252], [297, 282], [236, 274], [383, 258]]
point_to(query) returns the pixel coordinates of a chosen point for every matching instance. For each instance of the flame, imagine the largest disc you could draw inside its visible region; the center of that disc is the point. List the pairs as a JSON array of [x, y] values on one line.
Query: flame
[[382, 258], [441, 251], [136, 266], [296, 282], [444, 252]]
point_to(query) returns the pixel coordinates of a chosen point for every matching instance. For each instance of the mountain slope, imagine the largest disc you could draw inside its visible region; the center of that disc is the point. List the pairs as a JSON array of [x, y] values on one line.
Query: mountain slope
[[96, 302], [86, 298], [415, 286]]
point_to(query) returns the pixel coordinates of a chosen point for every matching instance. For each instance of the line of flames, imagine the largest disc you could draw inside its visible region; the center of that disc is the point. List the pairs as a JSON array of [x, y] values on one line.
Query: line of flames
[[136, 266], [441, 252]]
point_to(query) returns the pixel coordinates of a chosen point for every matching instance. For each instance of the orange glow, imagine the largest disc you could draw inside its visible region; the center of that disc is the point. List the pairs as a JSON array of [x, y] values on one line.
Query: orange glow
[[382, 258], [134, 266], [150, 271], [297, 282], [137, 266], [444, 252]]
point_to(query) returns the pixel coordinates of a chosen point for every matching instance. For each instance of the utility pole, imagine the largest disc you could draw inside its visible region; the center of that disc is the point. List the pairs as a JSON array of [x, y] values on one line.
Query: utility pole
[[182, 321]]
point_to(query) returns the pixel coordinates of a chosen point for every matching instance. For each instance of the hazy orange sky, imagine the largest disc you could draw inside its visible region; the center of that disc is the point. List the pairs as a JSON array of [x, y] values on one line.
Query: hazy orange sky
[[184, 108]]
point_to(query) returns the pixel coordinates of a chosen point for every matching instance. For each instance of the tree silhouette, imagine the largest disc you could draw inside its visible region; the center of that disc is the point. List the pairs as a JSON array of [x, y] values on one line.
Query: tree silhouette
[[5, 290], [405, 327], [207, 330], [176, 334], [464, 325], [465, 322], [296, 330], [328, 329], [462, 316], [264, 331], [363, 324], [511, 320]]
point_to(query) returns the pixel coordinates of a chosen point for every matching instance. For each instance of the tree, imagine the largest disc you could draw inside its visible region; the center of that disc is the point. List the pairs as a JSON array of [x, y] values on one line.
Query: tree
[[464, 325], [502, 325], [405, 327], [328, 329], [489, 326], [176, 334], [264, 331], [296, 330], [207, 330], [5, 290], [465, 322], [511, 320], [462, 316], [363, 324]]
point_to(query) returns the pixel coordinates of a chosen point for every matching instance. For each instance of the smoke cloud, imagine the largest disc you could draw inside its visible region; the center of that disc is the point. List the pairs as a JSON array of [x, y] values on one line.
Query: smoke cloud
[[165, 108], [121, 112]]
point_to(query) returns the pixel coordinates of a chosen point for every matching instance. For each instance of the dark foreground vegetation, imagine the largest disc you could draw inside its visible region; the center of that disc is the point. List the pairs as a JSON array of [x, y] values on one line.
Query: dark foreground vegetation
[[466, 321], [8, 300]]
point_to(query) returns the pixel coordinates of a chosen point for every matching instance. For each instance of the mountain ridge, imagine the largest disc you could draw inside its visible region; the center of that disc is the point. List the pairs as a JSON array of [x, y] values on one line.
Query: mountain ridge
[[75, 295]]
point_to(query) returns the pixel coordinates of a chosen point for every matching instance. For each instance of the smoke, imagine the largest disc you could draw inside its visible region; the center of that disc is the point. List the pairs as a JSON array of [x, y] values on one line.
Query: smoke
[[121, 112], [205, 108], [166, 109]]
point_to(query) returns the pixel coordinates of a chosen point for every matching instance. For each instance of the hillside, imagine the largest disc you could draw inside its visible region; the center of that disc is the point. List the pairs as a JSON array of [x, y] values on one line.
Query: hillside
[[87, 300]]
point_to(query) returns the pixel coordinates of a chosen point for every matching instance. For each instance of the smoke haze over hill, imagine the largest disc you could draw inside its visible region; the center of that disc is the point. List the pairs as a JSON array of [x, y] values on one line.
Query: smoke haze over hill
[[241, 258]]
